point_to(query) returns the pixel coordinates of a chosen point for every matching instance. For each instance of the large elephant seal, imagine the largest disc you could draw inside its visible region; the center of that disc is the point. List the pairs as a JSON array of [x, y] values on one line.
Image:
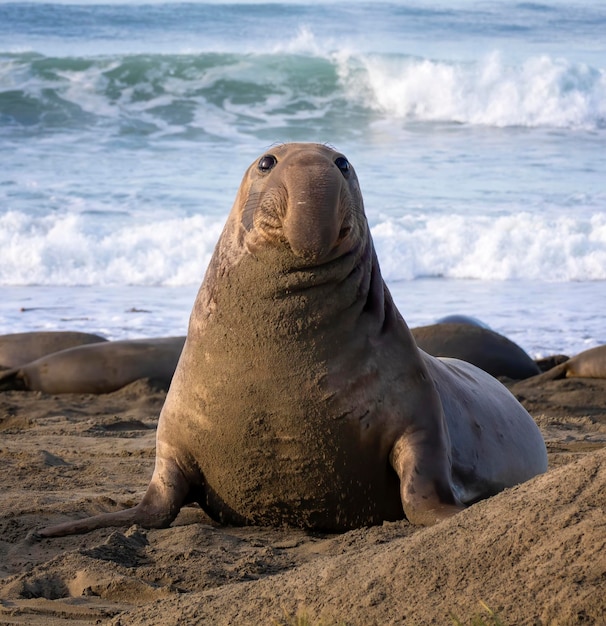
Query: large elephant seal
[[587, 364], [17, 349], [483, 347], [301, 397], [99, 367]]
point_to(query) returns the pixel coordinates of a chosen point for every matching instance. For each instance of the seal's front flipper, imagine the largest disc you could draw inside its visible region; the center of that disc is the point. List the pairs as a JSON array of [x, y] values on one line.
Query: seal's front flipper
[[165, 495], [423, 466]]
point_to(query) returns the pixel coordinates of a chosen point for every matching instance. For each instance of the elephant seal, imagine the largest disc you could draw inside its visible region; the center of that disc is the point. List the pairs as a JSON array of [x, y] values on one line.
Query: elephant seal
[[457, 318], [546, 363], [17, 349], [483, 347], [98, 367], [300, 397], [587, 364]]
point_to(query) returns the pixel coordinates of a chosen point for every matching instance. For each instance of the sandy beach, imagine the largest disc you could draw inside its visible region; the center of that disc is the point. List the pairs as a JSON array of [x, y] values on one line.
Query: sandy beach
[[533, 554]]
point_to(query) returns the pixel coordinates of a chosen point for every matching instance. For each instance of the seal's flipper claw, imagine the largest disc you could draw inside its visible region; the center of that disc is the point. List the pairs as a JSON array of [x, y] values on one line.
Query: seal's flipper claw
[[33, 536]]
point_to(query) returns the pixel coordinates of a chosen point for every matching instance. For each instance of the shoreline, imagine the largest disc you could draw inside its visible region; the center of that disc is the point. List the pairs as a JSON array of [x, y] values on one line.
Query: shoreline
[[559, 318]]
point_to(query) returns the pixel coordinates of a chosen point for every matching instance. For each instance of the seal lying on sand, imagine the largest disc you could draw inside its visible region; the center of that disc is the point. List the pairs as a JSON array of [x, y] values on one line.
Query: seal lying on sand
[[99, 367], [17, 349], [457, 318], [587, 364], [301, 397], [483, 347]]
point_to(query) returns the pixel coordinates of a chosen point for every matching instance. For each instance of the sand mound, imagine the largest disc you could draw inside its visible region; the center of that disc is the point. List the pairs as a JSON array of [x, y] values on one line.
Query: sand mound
[[534, 554]]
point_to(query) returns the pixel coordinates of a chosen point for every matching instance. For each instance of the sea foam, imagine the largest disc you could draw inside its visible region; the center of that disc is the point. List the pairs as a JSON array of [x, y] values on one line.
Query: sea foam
[[64, 250], [542, 91], [509, 247]]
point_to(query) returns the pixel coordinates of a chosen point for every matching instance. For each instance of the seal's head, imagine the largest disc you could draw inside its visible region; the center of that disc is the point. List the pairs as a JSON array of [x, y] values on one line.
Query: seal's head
[[303, 195]]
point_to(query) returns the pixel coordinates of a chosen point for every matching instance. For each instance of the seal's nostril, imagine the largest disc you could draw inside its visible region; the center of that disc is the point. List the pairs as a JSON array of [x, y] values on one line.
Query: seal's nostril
[[344, 232]]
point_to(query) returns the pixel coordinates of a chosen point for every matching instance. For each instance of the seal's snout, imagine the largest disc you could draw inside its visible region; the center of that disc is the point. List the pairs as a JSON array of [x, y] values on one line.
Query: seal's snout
[[303, 196], [316, 188]]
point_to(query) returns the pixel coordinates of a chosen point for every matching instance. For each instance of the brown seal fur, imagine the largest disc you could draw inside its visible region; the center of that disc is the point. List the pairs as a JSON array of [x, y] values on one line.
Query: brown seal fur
[[483, 347], [17, 349], [457, 318], [546, 363], [98, 367], [300, 397], [587, 364]]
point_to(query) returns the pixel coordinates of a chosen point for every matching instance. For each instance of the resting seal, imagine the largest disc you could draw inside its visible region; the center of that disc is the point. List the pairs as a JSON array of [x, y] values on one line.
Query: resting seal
[[301, 397], [483, 347], [587, 364], [457, 318], [98, 367], [17, 349]]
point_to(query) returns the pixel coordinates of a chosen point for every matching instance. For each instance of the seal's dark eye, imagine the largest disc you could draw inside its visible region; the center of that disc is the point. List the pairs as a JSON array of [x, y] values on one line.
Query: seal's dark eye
[[267, 162], [343, 164]]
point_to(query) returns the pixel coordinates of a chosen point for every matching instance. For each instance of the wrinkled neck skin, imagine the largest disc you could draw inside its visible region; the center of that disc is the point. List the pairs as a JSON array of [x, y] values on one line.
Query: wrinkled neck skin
[[271, 286]]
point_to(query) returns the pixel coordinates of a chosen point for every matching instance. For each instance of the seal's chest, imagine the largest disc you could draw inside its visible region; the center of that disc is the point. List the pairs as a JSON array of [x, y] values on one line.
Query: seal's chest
[[284, 443], [306, 472]]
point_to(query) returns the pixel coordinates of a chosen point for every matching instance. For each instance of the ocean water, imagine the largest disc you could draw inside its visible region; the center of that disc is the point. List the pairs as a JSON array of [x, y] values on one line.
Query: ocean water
[[477, 130]]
